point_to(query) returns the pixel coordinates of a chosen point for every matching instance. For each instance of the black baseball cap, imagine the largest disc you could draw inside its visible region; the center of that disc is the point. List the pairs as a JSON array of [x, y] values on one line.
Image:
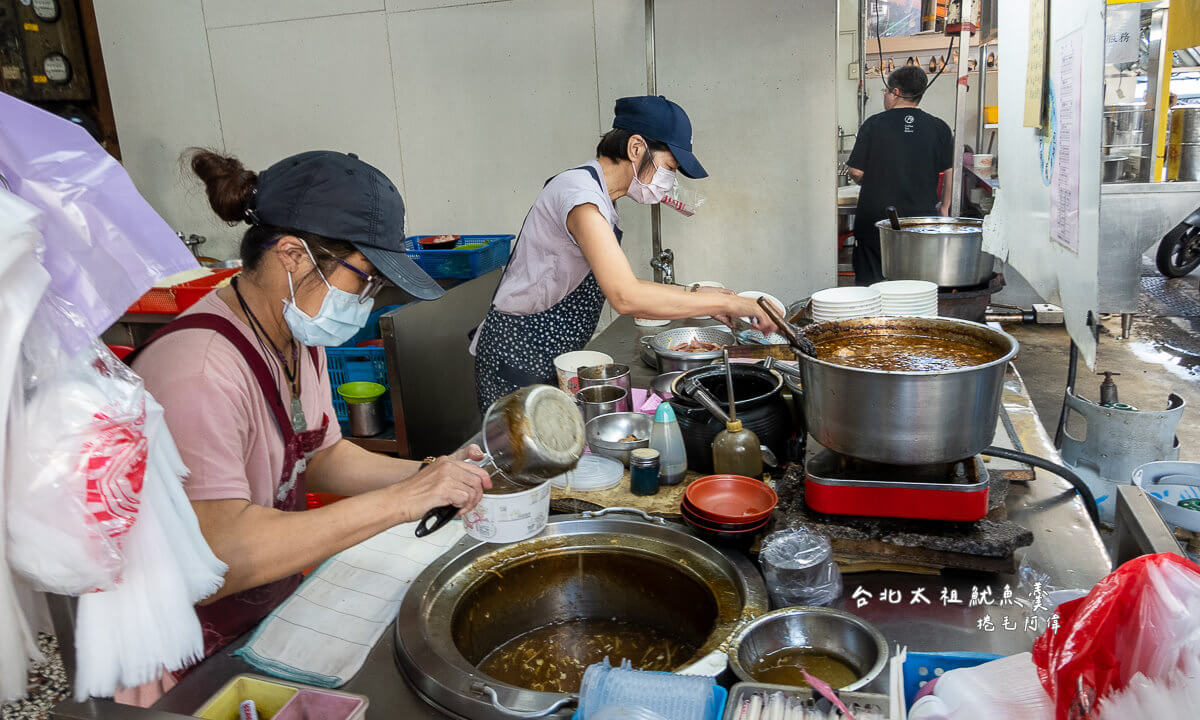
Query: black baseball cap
[[659, 119], [340, 197]]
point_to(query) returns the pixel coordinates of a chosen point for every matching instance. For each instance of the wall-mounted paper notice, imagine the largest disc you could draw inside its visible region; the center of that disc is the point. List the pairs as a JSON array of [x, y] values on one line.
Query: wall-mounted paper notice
[[1035, 73], [1064, 180]]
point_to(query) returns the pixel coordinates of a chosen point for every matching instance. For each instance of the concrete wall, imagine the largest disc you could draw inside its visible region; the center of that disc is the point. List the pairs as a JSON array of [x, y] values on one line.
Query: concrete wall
[[470, 106]]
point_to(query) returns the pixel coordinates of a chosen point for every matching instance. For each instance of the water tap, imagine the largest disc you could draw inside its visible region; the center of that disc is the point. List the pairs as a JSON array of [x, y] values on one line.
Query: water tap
[[665, 263]]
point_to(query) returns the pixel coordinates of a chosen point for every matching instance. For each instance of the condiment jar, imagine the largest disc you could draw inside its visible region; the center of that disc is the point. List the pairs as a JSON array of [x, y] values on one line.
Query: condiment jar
[[643, 471]]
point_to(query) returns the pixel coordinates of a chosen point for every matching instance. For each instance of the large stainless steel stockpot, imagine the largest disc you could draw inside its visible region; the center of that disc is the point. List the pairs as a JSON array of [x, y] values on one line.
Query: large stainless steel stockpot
[[905, 417], [649, 572], [942, 250]]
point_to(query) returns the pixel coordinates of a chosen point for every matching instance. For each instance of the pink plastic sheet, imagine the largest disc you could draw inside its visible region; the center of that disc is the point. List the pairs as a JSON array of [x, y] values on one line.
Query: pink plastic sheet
[[105, 245]]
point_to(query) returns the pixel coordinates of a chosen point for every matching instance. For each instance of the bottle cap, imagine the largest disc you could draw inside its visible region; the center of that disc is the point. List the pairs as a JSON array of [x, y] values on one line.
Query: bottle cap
[[664, 414], [733, 426], [645, 454]]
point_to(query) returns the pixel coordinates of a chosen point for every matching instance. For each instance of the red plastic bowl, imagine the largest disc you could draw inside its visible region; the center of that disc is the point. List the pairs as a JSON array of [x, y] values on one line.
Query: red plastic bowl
[[689, 512], [731, 499], [439, 242], [715, 529]]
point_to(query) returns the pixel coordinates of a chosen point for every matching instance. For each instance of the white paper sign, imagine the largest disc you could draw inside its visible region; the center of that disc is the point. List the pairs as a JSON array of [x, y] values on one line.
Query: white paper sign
[[1064, 179], [1122, 27]]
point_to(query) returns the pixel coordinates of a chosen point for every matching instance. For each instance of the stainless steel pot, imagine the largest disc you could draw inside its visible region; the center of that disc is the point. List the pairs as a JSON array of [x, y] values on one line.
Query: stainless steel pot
[[905, 418], [600, 400], [946, 251], [847, 637], [477, 597], [366, 418]]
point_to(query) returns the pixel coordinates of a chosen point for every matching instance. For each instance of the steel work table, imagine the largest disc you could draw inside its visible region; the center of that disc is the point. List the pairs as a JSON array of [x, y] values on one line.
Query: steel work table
[[1066, 548]]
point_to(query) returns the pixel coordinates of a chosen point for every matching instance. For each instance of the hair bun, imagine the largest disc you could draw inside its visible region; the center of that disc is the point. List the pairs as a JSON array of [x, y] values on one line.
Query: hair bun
[[227, 182]]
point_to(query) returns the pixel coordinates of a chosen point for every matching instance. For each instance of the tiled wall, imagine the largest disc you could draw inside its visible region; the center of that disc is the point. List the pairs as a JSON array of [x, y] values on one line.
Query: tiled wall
[[470, 106]]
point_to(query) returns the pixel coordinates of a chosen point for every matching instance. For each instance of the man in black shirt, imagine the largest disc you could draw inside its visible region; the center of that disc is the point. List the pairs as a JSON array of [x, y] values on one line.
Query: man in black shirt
[[897, 157]]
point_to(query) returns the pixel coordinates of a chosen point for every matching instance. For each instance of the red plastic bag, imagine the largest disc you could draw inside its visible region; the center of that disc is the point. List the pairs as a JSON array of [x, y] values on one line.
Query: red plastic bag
[[1144, 617]]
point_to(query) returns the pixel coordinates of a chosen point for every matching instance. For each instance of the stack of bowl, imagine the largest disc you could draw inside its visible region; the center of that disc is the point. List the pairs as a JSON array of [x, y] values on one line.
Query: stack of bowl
[[728, 508], [915, 298], [845, 303]]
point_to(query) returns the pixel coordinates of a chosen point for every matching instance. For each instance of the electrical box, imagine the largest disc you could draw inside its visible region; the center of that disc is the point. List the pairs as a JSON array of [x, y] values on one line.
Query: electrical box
[[42, 51]]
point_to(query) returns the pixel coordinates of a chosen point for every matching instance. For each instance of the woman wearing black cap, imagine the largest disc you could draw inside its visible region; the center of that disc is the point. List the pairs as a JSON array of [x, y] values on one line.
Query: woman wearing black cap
[[568, 258], [243, 379]]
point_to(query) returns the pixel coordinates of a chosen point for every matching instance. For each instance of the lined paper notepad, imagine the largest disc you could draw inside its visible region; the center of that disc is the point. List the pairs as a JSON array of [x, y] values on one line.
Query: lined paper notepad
[[321, 635]]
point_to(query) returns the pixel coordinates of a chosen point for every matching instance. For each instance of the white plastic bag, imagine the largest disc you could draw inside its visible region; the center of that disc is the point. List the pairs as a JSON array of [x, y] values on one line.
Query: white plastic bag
[[74, 488]]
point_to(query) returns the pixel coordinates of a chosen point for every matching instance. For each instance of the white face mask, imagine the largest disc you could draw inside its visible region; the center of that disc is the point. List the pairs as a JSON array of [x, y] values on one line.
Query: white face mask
[[341, 315], [659, 186]]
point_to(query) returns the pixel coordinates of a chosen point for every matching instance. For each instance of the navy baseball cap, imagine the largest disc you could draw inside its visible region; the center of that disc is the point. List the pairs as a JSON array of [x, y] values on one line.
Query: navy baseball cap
[[659, 119], [340, 197]]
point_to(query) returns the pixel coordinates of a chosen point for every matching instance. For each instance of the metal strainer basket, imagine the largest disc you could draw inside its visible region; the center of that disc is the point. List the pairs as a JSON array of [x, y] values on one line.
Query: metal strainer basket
[[671, 360]]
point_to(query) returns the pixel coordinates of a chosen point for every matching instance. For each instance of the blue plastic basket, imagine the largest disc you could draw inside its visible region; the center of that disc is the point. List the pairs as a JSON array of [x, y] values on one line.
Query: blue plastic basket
[[720, 696], [920, 668], [358, 364], [459, 263]]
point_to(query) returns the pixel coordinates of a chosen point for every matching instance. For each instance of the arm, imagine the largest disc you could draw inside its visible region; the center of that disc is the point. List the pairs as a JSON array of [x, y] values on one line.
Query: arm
[[262, 545], [947, 191], [855, 174], [631, 296], [347, 469]]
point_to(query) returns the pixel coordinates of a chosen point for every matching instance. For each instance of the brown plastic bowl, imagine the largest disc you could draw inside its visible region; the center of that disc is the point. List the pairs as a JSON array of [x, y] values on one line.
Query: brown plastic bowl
[[731, 499], [689, 512]]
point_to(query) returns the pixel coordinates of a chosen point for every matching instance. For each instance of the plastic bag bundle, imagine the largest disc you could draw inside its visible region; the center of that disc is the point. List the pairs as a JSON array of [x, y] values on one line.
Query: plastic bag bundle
[[799, 569], [127, 635], [105, 245], [74, 490], [1175, 697], [998, 690], [1143, 618], [22, 283]]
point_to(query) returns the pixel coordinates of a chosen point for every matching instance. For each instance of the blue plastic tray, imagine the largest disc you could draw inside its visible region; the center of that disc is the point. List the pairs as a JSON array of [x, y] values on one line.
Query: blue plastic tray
[[920, 668], [460, 263], [720, 695]]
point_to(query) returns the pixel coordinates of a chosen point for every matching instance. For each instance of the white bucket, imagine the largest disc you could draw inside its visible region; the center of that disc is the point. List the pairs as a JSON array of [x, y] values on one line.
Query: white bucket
[[567, 365], [509, 518]]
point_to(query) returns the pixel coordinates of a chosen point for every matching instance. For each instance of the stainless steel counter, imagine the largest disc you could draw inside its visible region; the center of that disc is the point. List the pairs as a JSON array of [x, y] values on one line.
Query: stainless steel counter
[[1067, 550]]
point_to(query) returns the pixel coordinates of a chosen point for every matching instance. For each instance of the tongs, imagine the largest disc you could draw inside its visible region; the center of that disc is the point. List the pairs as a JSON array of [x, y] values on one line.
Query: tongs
[[799, 343]]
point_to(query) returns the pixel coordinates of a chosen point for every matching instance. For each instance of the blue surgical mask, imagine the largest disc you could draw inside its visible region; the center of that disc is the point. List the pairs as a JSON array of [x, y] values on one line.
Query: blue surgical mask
[[341, 315]]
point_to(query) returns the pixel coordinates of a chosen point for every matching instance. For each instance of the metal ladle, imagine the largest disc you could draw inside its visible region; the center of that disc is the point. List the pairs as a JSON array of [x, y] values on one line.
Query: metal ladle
[[528, 437]]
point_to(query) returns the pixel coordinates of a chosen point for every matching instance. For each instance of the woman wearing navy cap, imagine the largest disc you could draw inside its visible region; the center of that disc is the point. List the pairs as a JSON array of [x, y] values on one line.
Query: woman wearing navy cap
[[568, 259]]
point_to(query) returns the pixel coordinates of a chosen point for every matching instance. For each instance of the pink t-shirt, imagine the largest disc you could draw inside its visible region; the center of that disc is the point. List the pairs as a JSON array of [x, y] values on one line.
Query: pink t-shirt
[[225, 431]]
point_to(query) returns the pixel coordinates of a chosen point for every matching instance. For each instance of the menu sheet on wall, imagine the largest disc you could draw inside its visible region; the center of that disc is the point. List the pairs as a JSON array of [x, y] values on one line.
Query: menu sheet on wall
[[1035, 71], [1064, 181]]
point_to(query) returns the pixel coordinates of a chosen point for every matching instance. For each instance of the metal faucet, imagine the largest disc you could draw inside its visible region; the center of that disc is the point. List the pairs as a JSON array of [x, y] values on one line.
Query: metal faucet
[[665, 264]]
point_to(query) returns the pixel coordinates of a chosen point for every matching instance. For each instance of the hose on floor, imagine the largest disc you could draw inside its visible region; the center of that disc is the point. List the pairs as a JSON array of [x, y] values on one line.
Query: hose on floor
[[1085, 493]]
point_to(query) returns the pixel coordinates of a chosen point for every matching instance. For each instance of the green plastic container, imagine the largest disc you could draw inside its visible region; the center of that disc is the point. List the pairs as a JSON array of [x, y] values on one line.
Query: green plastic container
[[356, 393]]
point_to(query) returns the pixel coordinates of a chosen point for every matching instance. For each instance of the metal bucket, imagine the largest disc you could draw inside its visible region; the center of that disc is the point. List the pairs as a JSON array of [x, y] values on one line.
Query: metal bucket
[[648, 573], [941, 250], [1184, 144], [905, 417]]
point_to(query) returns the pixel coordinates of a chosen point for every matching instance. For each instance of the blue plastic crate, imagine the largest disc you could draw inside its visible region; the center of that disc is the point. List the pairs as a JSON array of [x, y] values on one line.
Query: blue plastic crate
[[920, 668], [720, 696], [358, 364], [462, 263]]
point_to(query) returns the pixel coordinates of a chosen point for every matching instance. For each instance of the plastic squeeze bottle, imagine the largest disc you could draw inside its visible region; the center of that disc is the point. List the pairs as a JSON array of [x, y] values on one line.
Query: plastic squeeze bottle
[[667, 439]]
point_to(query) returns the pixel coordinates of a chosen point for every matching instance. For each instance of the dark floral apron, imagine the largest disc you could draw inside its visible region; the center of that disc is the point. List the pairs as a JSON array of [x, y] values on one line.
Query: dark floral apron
[[226, 619], [515, 351]]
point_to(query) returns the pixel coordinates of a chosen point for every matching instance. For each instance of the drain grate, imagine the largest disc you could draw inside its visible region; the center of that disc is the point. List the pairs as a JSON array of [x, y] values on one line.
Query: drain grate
[[1169, 297]]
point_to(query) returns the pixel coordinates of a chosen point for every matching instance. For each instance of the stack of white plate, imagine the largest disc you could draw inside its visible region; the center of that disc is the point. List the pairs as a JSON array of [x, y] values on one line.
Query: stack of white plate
[[908, 297], [846, 303]]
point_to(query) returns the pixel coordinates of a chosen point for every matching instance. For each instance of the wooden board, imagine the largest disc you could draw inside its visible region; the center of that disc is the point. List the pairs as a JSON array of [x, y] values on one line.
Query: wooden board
[[664, 503]]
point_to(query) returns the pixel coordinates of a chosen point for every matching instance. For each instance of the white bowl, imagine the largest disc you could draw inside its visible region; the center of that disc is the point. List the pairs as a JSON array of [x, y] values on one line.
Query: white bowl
[[905, 288], [845, 295], [1168, 482]]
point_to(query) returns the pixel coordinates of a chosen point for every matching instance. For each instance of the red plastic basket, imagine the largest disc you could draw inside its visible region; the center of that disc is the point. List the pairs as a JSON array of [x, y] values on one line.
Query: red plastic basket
[[177, 298]]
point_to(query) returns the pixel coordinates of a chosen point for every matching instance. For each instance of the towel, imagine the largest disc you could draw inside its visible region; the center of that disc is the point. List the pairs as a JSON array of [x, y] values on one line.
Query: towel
[[321, 635]]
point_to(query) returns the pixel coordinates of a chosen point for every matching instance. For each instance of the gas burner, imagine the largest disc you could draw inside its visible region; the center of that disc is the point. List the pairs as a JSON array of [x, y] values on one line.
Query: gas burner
[[840, 485]]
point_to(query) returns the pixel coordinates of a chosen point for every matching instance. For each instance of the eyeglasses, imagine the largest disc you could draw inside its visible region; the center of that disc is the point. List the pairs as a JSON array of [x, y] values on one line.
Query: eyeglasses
[[373, 285]]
